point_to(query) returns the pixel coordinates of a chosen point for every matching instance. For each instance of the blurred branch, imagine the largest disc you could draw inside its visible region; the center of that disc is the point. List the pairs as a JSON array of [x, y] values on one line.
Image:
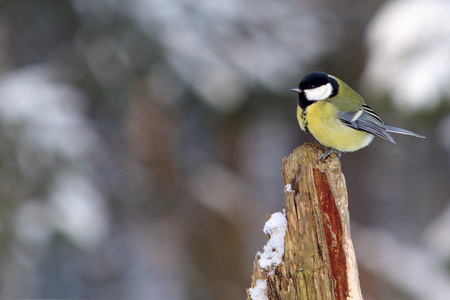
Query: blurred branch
[[319, 260]]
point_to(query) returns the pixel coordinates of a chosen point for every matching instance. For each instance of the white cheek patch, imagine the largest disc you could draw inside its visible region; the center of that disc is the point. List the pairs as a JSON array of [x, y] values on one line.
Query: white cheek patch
[[319, 93]]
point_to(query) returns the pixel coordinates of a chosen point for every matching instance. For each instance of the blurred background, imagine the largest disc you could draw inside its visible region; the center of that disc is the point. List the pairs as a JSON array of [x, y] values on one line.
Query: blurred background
[[141, 142]]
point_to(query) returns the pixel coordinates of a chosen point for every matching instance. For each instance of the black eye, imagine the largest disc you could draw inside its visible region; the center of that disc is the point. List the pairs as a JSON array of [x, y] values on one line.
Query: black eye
[[312, 86]]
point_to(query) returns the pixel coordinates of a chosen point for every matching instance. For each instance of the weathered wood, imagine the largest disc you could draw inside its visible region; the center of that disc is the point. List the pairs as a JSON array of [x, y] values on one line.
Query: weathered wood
[[319, 261]]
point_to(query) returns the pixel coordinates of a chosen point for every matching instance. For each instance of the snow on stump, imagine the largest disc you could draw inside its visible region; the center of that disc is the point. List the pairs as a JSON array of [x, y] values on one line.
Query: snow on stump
[[317, 260]]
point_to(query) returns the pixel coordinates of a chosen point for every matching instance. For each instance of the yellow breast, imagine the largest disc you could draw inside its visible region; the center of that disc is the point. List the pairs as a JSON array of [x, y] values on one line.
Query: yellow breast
[[320, 119]]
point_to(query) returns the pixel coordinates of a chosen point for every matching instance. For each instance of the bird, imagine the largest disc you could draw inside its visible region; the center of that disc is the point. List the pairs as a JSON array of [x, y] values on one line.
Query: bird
[[338, 117]]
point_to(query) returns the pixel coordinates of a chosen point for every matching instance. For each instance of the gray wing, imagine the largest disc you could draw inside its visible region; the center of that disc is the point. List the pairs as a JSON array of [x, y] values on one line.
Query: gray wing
[[365, 119]]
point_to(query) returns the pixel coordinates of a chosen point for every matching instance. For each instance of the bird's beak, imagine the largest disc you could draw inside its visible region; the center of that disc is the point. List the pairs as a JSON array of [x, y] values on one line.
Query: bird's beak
[[296, 90]]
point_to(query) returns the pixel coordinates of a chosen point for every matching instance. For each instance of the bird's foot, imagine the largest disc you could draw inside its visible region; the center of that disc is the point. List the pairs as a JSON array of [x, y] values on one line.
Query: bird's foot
[[327, 153]]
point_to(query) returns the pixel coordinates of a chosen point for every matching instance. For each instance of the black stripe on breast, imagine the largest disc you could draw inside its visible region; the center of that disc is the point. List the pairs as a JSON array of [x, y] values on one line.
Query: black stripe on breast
[[303, 102]]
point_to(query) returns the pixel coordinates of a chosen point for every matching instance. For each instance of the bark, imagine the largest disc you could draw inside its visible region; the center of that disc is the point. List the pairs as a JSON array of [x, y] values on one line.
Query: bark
[[319, 261]]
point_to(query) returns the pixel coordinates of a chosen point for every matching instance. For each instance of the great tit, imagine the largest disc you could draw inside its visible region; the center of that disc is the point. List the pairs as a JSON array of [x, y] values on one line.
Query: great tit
[[337, 116]]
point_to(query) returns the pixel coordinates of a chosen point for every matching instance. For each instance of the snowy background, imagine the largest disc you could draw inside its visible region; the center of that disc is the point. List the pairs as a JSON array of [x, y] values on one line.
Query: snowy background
[[141, 142]]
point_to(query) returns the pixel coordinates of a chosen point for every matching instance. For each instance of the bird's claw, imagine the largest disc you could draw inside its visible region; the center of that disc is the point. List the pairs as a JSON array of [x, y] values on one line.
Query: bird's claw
[[327, 153]]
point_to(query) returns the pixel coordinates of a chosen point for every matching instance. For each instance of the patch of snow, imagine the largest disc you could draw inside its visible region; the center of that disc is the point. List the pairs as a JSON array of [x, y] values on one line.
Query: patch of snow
[[274, 249], [288, 188], [259, 292]]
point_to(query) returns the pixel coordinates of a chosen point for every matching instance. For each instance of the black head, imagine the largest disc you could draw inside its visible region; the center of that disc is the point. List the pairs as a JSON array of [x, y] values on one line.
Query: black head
[[314, 87], [314, 80]]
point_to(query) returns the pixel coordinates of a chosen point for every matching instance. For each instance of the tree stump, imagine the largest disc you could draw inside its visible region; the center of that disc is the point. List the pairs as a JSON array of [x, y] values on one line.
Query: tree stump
[[319, 260]]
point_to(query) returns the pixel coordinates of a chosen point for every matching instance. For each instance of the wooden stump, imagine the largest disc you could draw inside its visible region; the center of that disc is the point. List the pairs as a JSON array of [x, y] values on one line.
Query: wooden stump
[[319, 260]]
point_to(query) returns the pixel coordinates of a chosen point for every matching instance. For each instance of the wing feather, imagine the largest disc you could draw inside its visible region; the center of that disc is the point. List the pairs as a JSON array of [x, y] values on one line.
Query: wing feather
[[365, 119]]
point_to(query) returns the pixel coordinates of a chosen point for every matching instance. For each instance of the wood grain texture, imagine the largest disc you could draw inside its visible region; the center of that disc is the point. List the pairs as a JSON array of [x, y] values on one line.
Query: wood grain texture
[[319, 261]]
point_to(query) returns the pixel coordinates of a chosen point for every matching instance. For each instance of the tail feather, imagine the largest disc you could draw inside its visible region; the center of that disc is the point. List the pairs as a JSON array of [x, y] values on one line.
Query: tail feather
[[394, 129]]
